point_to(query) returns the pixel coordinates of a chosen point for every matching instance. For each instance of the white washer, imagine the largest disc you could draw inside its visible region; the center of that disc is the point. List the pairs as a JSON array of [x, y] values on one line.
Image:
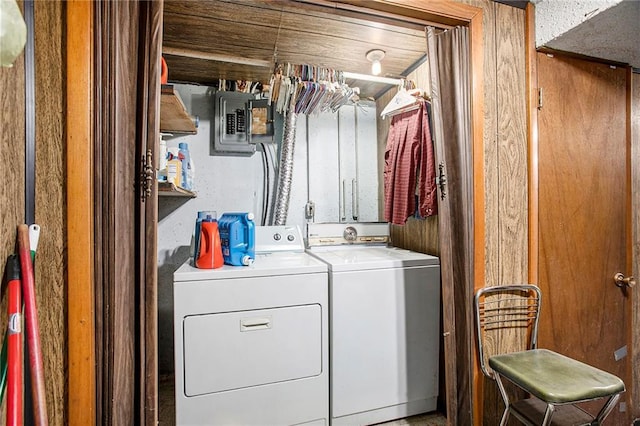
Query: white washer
[[384, 324], [251, 342]]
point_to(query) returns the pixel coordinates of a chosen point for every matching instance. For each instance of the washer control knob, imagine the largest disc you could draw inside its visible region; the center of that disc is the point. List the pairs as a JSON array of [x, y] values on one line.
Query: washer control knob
[[350, 233], [277, 237], [291, 237]]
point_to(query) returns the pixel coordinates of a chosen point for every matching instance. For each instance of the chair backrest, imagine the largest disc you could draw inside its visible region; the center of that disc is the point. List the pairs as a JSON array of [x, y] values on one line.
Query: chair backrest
[[506, 320]]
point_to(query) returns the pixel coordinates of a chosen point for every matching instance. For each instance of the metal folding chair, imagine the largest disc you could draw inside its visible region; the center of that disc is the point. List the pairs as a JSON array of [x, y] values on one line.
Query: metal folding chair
[[554, 382]]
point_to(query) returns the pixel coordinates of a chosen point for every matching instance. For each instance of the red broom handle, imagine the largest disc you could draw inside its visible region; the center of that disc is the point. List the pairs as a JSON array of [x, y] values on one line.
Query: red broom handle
[[14, 344], [32, 329]]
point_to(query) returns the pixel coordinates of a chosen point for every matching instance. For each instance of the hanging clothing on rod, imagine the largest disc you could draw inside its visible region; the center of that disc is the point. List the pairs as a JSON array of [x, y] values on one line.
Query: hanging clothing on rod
[[409, 167], [312, 89]]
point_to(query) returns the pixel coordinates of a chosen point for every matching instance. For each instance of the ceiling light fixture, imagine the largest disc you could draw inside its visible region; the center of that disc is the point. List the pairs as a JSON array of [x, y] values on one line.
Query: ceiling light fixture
[[375, 56]]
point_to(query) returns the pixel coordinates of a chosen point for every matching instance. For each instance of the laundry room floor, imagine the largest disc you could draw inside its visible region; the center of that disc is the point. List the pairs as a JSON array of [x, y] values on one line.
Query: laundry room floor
[[166, 405]]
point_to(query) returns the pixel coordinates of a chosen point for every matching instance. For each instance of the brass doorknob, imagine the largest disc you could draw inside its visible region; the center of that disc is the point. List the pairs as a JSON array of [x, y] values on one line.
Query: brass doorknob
[[622, 281]]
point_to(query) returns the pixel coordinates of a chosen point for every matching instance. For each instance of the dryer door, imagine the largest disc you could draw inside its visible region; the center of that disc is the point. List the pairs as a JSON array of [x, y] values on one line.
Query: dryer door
[[235, 350]]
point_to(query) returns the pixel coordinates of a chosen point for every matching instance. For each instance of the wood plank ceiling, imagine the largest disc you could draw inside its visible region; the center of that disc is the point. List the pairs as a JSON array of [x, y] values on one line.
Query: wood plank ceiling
[[208, 40]]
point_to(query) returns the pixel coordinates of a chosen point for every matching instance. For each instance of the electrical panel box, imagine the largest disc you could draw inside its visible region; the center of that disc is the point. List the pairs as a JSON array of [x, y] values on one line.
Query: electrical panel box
[[240, 121]]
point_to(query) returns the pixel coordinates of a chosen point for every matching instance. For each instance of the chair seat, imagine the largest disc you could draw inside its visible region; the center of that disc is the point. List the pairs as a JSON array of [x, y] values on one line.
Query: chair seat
[[555, 378]]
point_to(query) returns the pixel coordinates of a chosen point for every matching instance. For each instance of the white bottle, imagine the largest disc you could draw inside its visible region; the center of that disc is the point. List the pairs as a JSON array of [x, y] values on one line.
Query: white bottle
[[162, 167], [163, 150]]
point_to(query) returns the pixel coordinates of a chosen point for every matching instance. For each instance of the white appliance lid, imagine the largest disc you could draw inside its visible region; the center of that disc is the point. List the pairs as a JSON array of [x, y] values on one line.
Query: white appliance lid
[[265, 265], [366, 258]]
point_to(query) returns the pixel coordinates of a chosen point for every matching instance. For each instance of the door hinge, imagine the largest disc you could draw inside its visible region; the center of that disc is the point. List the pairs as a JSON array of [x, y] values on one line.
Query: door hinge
[[540, 98], [147, 175]]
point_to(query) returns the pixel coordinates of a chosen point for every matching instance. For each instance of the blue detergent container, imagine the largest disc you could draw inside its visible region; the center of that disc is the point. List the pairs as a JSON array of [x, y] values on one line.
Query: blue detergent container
[[237, 232]]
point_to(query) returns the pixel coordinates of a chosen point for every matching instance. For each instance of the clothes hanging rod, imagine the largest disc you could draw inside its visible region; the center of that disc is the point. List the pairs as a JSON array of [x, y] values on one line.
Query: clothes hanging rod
[[373, 78], [188, 53]]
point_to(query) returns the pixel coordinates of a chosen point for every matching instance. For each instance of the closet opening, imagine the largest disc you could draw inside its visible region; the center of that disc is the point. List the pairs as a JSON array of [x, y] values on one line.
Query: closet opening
[[225, 53]]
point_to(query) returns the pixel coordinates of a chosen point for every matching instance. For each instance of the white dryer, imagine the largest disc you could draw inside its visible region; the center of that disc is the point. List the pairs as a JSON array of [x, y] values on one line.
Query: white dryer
[[384, 324], [251, 342]]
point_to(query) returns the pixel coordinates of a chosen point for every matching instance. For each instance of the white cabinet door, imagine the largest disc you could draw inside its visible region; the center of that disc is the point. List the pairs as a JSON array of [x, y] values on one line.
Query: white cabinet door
[[366, 201], [343, 164]]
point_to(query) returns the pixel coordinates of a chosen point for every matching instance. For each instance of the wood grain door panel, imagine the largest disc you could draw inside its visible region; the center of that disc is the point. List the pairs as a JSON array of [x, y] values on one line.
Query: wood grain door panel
[[128, 39], [583, 199]]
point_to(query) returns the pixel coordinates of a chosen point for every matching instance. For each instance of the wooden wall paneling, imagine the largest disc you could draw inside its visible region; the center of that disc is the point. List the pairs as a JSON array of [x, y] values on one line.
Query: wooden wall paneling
[[419, 235], [496, 28], [81, 402], [634, 101], [50, 201], [512, 168], [512, 143], [491, 217]]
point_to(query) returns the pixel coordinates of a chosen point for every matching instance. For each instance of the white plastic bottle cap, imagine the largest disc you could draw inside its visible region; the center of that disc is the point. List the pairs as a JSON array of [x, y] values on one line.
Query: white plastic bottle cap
[[247, 260], [250, 216]]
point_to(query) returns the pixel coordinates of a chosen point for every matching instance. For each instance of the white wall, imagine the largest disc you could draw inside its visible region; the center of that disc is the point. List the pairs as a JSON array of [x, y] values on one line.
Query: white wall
[[234, 183]]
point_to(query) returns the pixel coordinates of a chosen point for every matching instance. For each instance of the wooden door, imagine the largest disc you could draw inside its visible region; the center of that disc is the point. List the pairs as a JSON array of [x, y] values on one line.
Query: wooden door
[[584, 202], [147, 147], [126, 134]]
